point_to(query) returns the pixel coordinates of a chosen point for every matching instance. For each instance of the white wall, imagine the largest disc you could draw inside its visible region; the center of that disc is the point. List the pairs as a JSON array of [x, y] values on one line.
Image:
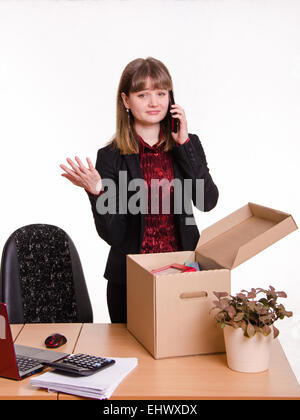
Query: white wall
[[236, 70]]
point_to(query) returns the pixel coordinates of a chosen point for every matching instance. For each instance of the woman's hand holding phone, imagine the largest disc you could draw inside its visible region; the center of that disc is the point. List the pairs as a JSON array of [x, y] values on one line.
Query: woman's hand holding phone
[[87, 178], [182, 132], [179, 124]]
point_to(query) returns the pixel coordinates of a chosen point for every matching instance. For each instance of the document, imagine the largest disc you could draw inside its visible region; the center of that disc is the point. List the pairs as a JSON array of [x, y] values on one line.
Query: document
[[100, 385]]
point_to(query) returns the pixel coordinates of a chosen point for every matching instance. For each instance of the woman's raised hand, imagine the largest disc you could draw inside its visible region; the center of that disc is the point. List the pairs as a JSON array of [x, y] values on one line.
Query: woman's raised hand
[[87, 178]]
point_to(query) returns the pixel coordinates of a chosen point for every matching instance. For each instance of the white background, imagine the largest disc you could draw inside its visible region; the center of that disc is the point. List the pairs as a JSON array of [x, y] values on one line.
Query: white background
[[235, 65]]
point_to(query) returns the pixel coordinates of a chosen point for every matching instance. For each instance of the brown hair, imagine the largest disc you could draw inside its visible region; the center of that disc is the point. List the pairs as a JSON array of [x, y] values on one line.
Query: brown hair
[[133, 79]]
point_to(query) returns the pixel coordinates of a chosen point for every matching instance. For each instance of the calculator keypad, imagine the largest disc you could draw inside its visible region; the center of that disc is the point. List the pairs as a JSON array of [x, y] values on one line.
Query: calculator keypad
[[85, 361], [82, 364]]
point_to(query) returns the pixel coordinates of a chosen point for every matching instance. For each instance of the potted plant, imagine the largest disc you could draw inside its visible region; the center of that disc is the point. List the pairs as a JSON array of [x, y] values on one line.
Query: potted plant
[[248, 322]]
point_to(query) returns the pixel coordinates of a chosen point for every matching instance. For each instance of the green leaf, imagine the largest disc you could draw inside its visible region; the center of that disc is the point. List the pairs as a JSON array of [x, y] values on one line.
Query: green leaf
[[250, 330], [220, 317], [239, 316], [251, 306], [261, 309], [244, 326], [230, 310], [266, 330], [272, 292], [252, 294], [281, 294], [276, 331], [220, 294], [266, 318], [264, 301], [218, 304], [224, 303], [260, 290]]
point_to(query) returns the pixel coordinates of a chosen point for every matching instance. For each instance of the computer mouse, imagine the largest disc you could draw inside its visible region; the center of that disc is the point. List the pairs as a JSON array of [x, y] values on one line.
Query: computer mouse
[[55, 340]]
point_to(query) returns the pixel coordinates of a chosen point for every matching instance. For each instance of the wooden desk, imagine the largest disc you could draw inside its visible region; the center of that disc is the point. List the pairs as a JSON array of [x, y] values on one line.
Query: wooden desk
[[34, 335], [193, 377]]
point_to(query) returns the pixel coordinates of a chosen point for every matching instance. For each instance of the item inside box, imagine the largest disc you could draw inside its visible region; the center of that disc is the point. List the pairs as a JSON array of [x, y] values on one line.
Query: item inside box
[[174, 268], [195, 261]]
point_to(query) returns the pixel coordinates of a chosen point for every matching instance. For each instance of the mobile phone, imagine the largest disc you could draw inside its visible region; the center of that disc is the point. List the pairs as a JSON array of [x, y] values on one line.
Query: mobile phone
[[175, 121]]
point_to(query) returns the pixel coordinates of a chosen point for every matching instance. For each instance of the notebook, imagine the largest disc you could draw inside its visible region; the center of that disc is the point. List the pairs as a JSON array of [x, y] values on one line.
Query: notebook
[[16, 361], [100, 385]]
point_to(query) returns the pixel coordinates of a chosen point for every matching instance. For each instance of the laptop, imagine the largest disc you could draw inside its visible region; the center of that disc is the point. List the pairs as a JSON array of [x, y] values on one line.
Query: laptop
[[16, 361]]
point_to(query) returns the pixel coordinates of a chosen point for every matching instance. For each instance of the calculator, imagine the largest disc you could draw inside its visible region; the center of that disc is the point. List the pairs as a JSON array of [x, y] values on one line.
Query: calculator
[[81, 364]]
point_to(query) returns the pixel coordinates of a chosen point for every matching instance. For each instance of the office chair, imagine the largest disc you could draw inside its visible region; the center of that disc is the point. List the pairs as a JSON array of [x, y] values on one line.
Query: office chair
[[41, 277]]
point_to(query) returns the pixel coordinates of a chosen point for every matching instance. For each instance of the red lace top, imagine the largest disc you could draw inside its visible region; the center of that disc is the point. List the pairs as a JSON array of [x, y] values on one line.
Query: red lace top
[[160, 234]]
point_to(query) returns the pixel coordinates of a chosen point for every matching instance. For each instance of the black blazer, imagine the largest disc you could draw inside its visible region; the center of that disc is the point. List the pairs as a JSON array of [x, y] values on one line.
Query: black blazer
[[124, 232]]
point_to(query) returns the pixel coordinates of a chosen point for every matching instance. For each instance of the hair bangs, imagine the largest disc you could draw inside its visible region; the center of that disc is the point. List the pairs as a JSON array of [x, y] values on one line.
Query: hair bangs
[[159, 78]]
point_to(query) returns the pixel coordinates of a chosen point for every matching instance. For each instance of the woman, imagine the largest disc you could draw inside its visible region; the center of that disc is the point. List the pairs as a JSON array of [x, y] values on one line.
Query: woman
[[144, 149]]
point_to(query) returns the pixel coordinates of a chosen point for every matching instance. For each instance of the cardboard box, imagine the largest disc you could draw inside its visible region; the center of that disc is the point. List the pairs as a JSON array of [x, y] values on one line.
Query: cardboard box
[[170, 313]]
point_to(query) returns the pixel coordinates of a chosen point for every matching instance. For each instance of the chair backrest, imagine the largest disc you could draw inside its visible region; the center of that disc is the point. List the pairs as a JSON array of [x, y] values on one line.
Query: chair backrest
[[42, 279]]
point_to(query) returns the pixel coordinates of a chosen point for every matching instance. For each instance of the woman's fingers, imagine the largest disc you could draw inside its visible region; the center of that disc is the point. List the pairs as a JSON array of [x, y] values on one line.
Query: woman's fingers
[[73, 165], [91, 167], [80, 169], [176, 107], [71, 173], [177, 112], [80, 164], [68, 170], [69, 177]]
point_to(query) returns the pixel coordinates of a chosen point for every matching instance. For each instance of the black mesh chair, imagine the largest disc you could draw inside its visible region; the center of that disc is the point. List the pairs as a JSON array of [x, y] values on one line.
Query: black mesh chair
[[41, 277]]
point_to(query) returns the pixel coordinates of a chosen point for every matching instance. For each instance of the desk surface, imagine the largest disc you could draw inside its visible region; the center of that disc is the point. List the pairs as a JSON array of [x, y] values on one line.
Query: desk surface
[[192, 377]]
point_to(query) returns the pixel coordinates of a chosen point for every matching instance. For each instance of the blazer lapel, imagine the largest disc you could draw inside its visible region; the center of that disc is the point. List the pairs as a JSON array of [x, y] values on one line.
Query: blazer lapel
[[133, 165], [135, 172]]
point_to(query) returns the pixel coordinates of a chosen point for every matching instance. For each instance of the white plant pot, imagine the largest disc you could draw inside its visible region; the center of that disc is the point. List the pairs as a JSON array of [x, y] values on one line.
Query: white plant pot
[[246, 354]]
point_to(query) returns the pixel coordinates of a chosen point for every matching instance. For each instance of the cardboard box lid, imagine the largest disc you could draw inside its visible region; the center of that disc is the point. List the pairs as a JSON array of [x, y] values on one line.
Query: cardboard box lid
[[243, 234]]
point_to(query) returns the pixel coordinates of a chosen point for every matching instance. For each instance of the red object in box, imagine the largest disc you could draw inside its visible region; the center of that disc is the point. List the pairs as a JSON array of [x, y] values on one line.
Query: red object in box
[[183, 268]]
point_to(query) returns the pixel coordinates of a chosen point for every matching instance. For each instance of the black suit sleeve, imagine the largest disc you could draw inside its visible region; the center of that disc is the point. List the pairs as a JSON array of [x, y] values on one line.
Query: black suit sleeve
[[191, 158], [110, 227]]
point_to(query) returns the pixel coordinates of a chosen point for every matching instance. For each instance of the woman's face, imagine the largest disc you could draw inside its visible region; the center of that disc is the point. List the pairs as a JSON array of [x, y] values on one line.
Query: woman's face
[[148, 106]]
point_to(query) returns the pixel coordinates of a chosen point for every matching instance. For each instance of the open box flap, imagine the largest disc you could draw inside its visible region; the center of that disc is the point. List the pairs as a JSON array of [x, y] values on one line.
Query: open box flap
[[243, 234]]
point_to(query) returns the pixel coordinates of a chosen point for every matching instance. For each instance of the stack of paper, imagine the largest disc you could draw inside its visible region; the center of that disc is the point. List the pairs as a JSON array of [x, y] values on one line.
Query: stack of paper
[[100, 385]]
